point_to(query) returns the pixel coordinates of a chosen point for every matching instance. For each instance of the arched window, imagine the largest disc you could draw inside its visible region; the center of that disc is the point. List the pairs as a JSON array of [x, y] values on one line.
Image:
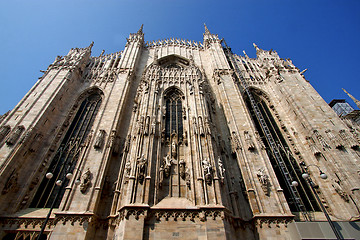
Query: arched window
[[304, 192], [68, 153], [173, 117]]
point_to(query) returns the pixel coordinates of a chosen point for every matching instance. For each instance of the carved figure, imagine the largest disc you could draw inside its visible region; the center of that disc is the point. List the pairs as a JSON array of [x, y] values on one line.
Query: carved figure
[[321, 139], [182, 168], [127, 168], [207, 171], [147, 125], [141, 162], [264, 180], [340, 190], [221, 170], [249, 142], [99, 139], [85, 181], [167, 163], [161, 176], [173, 148]]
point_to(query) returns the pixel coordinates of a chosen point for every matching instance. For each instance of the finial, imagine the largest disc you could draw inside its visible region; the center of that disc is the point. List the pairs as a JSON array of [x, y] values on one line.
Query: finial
[[91, 44], [141, 29], [206, 29], [357, 102]]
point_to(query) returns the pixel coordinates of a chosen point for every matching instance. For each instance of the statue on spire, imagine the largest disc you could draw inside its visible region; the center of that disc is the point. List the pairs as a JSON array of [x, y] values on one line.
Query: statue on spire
[[357, 102]]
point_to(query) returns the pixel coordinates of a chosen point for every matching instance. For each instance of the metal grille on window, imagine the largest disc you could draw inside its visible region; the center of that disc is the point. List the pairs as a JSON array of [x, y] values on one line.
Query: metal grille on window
[[68, 153]]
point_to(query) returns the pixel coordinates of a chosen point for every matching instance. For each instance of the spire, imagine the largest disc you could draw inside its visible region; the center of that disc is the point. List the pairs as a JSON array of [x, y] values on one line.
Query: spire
[[357, 102], [206, 29], [141, 29]]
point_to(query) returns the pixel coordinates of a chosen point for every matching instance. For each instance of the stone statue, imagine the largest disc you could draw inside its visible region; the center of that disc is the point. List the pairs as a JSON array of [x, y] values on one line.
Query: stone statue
[[207, 171], [264, 180], [99, 139], [141, 162], [182, 168], [161, 176], [221, 170], [85, 181], [249, 142], [336, 185], [167, 163]]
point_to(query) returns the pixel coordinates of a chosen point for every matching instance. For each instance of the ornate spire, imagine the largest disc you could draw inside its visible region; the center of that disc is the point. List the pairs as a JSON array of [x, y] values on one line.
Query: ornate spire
[[357, 102], [206, 29], [141, 29]]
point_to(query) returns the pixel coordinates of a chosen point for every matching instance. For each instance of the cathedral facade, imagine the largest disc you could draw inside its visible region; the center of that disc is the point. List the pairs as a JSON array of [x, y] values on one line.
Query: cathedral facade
[[176, 139]]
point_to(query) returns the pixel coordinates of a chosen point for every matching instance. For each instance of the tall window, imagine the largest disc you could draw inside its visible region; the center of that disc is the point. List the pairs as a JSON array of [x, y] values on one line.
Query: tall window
[[68, 153], [173, 123], [295, 172]]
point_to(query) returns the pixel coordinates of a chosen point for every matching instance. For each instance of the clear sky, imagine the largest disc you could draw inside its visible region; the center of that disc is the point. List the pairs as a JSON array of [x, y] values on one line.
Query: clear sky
[[320, 35]]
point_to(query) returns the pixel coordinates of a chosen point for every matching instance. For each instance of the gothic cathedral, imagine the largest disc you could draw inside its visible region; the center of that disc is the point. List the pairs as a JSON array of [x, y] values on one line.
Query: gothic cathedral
[[177, 139]]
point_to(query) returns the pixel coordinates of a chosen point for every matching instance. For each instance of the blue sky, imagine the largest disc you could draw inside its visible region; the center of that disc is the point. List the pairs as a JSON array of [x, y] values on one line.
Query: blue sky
[[320, 35]]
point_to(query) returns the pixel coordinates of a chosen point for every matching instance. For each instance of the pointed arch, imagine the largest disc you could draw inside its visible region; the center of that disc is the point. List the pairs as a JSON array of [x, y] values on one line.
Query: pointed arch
[[267, 109], [70, 148], [173, 117]]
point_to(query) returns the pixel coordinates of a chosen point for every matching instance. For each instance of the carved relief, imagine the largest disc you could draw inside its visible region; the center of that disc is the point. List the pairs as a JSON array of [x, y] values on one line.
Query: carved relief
[[348, 139], [182, 168]]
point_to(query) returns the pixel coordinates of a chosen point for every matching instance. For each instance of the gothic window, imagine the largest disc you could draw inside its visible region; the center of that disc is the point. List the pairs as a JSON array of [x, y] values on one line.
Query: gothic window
[[67, 154], [173, 117], [305, 193]]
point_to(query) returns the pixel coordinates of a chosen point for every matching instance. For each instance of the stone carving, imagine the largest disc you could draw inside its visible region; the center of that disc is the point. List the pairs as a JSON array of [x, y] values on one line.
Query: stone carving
[[4, 131], [347, 139], [194, 126], [336, 185], [235, 143], [153, 126], [207, 171], [99, 141], [334, 140], [141, 168], [182, 168], [15, 135], [221, 170], [127, 143], [167, 165], [161, 176], [147, 126], [249, 142], [112, 138], [127, 171], [185, 137], [321, 139], [85, 181], [11, 182], [258, 138], [174, 145], [264, 180]]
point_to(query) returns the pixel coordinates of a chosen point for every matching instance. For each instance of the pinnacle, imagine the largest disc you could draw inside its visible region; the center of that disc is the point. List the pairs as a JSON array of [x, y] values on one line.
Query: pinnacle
[[206, 29], [357, 102]]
